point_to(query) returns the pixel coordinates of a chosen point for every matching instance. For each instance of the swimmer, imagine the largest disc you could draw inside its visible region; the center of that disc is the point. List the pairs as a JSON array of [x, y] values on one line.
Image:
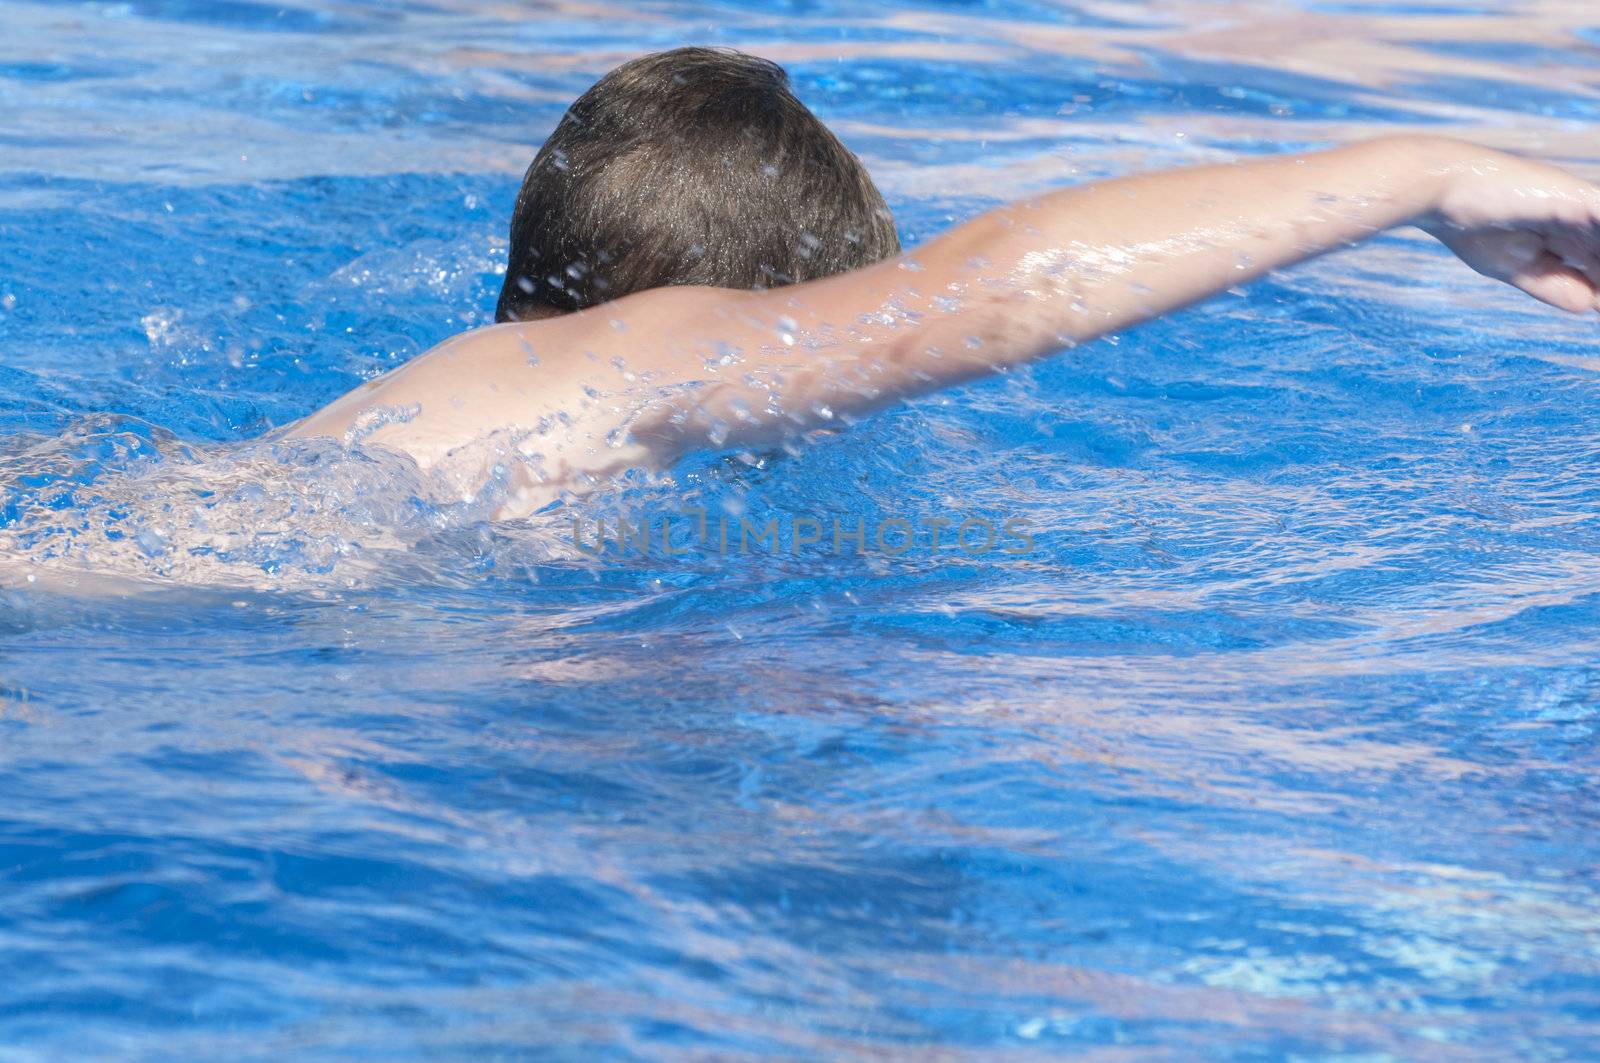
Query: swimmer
[[697, 262]]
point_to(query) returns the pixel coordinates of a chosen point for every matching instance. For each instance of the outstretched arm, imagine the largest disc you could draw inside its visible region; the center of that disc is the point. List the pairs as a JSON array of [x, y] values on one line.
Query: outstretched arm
[[1025, 280]]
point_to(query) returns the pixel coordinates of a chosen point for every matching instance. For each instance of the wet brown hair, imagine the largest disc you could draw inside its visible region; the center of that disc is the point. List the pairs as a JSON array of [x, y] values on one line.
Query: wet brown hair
[[693, 166]]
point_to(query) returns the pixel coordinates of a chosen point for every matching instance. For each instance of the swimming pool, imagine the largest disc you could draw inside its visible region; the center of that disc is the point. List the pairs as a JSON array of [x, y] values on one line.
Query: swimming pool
[[1280, 740]]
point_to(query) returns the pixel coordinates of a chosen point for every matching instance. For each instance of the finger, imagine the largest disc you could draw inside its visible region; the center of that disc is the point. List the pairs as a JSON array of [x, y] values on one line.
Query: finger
[[1552, 281], [1578, 254]]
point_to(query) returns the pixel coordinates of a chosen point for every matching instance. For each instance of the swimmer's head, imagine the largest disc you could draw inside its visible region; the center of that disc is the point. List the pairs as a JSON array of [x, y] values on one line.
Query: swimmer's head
[[694, 166]]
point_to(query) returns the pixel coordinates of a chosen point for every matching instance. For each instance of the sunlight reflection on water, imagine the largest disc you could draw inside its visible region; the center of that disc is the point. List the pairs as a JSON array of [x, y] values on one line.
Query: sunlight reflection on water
[[1281, 741]]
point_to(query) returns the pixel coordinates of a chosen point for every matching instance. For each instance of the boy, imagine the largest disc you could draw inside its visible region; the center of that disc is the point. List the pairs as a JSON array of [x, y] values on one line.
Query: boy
[[696, 261]]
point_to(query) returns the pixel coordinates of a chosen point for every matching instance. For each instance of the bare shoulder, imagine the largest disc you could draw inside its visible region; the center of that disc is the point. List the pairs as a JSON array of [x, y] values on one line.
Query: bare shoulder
[[508, 377], [636, 381]]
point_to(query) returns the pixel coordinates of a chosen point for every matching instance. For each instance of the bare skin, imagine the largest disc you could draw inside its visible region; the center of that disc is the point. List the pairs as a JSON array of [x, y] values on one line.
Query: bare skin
[[561, 404]]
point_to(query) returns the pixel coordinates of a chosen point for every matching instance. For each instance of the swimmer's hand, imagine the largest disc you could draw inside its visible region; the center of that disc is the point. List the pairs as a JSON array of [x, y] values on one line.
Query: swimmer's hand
[[1533, 226]]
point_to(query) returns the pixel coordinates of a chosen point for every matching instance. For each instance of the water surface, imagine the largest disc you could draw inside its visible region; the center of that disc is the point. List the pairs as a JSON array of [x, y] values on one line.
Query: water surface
[[1280, 740]]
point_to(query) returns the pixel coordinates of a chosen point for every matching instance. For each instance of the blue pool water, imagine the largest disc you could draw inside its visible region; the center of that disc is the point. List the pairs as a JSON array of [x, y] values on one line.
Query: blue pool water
[[1280, 742]]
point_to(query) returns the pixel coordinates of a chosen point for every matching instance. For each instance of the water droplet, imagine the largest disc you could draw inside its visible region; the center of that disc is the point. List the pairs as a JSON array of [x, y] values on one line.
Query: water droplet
[[369, 421]]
